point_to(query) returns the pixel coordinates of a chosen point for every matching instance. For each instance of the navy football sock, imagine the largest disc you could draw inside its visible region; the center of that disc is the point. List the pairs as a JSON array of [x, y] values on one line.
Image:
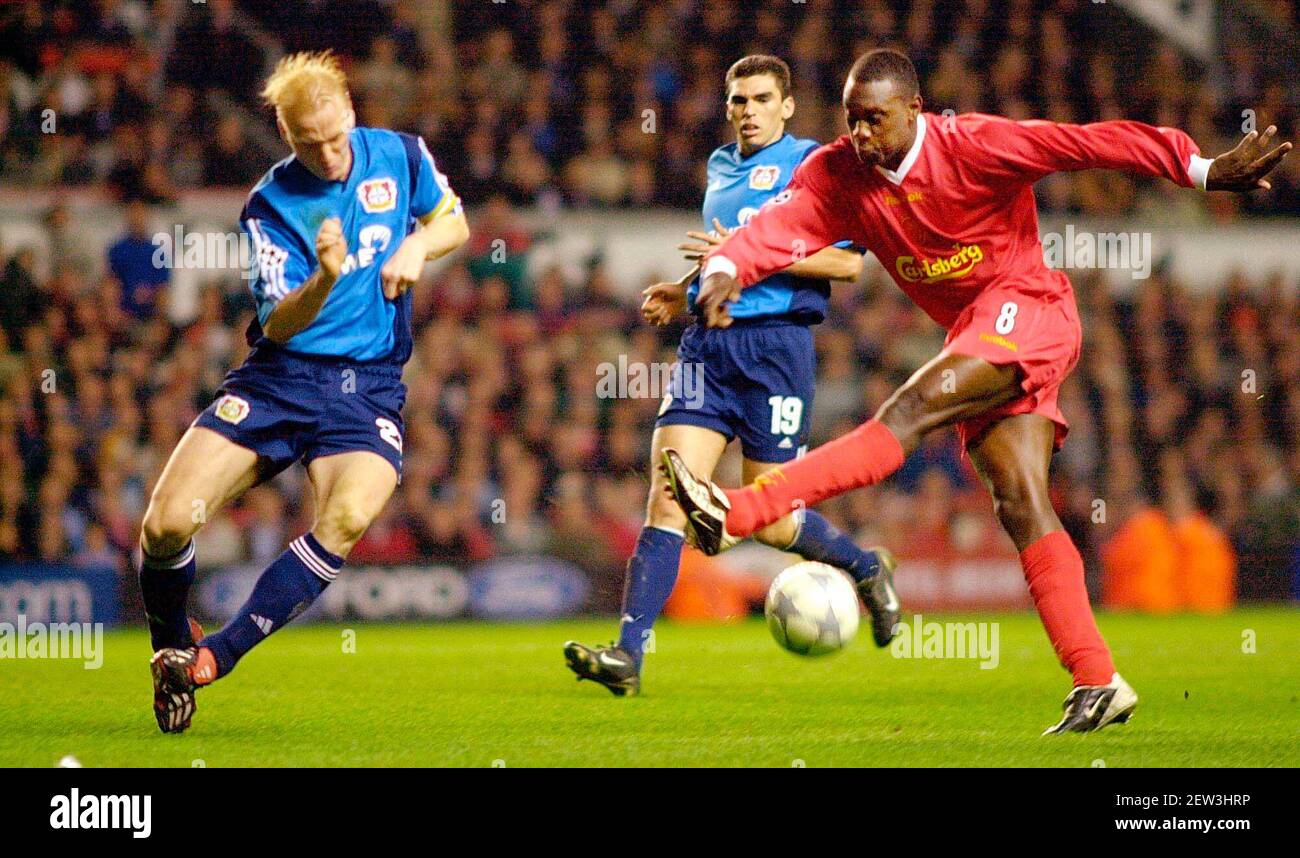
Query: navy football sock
[[820, 540], [165, 584], [285, 590], [651, 574]]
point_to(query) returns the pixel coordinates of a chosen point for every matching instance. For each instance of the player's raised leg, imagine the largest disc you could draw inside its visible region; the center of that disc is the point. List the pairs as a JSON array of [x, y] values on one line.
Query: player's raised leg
[[949, 388], [652, 569], [1012, 459], [205, 472], [350, 491], [807, 533]]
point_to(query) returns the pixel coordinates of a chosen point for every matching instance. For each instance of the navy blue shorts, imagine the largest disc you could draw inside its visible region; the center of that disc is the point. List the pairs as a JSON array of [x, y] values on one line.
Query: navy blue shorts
[[286, 407], [754, 380]]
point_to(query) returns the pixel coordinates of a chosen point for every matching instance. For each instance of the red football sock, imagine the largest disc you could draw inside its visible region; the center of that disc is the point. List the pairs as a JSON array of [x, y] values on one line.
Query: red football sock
[[1054, 571], [863, 457]]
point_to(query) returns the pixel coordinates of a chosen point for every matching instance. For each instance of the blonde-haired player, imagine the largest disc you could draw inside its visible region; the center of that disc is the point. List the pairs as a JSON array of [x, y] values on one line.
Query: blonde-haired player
[[341, 230]]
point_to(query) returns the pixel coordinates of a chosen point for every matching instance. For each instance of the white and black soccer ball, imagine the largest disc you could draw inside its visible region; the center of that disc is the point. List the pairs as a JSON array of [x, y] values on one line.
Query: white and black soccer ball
[[812, 609]]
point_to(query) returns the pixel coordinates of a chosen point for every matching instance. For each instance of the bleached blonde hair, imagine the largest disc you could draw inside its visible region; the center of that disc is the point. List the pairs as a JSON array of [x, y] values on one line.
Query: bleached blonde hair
[[301, 81]]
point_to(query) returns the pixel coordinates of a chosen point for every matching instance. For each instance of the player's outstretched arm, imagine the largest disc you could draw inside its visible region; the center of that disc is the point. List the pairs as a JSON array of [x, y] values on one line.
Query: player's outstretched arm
[[435, 238], [829, 263], [1027, 151], [299, 308]]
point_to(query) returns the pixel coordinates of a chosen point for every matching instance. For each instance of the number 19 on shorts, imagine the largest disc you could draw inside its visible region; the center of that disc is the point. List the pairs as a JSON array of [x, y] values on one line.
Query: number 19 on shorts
[[787, 414]]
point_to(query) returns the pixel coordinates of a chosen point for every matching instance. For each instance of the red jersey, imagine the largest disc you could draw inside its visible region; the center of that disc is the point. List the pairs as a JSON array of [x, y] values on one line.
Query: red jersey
[[958, 216]]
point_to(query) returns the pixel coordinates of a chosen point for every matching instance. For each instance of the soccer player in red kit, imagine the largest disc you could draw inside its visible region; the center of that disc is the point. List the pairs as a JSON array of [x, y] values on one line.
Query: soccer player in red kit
[[946, 204]]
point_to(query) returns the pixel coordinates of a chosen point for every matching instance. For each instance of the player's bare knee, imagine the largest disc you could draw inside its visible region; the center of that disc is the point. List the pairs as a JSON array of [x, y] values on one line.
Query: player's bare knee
[[340, 528], [905, 414], [1014, 515], [167, 526], [348, 523], [1021, 504], [663, 511]]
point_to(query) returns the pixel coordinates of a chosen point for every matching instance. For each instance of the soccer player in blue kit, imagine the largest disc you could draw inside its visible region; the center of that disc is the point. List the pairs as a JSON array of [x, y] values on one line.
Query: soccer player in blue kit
[[758, 381], [341, 230]]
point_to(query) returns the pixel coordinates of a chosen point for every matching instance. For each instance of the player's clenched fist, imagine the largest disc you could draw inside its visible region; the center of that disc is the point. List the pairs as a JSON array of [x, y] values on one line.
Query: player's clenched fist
[[331, 247], [403, 268]]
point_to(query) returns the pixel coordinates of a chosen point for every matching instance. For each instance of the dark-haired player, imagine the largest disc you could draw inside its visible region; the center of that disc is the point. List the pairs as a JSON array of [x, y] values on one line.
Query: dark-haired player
[[946, 204], [757, 379]]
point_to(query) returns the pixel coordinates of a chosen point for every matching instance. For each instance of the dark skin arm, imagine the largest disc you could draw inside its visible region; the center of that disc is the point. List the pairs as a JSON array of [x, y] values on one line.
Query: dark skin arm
[[717, 293], [663, 302], [1242, 169], [829, 263]]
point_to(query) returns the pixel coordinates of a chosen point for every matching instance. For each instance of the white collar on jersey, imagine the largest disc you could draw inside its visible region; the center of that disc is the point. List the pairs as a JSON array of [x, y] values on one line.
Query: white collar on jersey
[[897, 176]]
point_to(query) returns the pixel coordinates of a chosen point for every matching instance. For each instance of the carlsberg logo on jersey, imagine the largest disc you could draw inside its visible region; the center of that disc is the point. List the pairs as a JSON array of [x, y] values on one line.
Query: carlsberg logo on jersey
[[959, 263], [131, 812]]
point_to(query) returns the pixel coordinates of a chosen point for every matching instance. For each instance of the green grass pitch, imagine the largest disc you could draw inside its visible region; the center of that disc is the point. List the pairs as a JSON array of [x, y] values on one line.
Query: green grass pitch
[[476, 694]]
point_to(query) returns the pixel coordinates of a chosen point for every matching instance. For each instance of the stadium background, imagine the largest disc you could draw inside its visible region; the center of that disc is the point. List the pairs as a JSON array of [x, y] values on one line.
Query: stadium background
[[577, 136]]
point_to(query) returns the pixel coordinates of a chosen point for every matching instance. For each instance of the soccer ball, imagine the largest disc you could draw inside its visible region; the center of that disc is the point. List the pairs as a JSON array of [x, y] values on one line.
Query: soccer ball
[[812, 609]]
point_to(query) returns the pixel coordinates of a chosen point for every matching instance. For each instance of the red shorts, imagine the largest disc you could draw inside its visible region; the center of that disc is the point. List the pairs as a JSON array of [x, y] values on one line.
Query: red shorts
[[1040, 335]]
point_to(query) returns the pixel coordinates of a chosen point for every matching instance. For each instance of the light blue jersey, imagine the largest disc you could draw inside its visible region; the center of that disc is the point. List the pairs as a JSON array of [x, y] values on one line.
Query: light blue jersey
[[393, 181], [738, 187]]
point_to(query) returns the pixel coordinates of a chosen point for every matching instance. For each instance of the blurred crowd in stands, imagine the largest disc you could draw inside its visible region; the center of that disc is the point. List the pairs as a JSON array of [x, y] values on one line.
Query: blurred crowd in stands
[[1183, 461], [613, 103]]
